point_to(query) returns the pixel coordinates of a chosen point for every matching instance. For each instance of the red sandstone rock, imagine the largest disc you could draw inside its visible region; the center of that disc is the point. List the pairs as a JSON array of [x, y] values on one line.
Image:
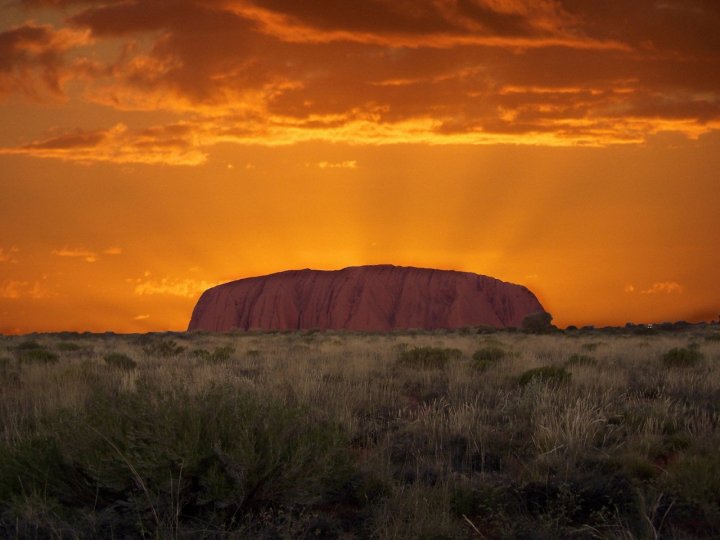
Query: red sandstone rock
[[368, 298]]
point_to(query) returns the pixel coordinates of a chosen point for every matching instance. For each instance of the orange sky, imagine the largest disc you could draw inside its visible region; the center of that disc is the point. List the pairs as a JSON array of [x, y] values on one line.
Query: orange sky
[[152, 148]]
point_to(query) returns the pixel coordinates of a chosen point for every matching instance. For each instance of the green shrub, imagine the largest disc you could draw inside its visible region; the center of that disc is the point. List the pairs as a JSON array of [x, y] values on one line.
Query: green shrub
[[163, 348], [28, 346], [200, 354], [715, 336], [546, 374], [581, 360], [153, 463], [120, 361], [682, 357], [428, 357], [491, 353], [220, 354], [487, 357], [40, 356]]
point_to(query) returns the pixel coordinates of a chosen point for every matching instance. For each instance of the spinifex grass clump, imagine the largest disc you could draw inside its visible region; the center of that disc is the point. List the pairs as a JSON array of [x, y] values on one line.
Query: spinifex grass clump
[[546, 374], [487, 357], [581, 360], [220, 354], [120, 361], [428, 357], [682, 357]]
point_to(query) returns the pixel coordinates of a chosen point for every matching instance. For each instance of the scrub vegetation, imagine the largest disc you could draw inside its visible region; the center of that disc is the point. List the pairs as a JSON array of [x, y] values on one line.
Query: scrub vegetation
[[434, 435]]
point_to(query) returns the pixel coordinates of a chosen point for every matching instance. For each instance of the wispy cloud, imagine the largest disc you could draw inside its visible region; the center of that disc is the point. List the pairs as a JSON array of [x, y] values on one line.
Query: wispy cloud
[[14, 289], [85, 254], [8, 255], [664, 287], [158, 145], [141, 317], [187, 288], [352, 164]]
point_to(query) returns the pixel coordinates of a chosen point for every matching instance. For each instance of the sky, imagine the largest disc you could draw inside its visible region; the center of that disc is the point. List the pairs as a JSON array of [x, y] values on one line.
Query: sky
[[150, 149]]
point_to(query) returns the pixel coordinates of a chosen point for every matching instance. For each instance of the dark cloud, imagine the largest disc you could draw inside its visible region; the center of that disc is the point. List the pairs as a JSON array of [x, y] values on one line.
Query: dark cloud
[[680, 27], [69, 141], [564, 71], [31, 58]]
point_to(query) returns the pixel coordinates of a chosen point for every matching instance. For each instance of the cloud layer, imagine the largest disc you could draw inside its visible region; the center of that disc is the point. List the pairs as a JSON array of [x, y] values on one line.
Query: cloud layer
[[545, 72]]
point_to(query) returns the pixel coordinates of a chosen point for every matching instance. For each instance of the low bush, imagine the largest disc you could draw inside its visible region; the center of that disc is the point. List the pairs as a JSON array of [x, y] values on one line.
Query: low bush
[[39, 356], [28, 346], [163, 348], [68, 347], [120, 361], [428, 357], [546, 374], [682, 357], [220, 354], [487, 357], [200, 354]]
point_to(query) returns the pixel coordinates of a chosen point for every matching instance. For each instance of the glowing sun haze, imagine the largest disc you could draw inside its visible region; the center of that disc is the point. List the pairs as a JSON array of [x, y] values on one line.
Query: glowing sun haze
[[152, 148]]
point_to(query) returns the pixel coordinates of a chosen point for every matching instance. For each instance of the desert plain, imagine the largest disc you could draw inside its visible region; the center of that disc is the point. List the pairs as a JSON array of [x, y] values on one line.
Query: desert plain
[[469, 433]]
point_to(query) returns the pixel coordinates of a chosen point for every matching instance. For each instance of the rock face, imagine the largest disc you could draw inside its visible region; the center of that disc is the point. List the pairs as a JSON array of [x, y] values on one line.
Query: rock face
[[366, 298]]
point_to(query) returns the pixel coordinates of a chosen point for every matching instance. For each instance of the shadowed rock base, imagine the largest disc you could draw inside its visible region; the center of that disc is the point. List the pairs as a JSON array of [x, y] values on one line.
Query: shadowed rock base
[[366, 298]]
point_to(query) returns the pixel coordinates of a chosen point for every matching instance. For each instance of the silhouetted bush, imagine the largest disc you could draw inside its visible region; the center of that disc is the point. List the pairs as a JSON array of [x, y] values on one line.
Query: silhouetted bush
[[483, 329], [537, 323]]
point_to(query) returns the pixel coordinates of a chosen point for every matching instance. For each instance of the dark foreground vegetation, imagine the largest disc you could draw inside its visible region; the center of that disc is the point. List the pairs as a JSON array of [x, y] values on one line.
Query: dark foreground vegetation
[[442, 435]]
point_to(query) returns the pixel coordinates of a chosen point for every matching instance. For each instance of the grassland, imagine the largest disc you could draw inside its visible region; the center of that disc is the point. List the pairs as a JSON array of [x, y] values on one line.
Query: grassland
[[329, 435]]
